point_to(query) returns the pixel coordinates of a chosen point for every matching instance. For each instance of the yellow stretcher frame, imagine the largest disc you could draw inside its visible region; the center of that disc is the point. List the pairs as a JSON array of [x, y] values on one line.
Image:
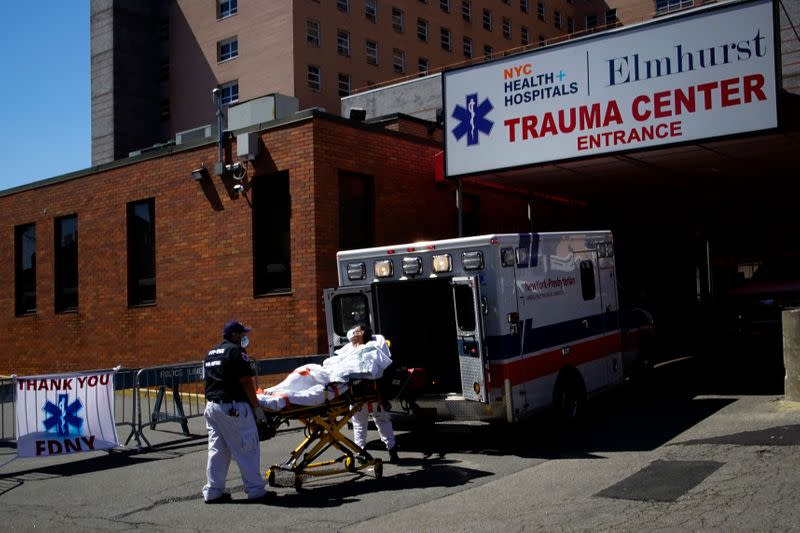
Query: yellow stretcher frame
[[323, 430]]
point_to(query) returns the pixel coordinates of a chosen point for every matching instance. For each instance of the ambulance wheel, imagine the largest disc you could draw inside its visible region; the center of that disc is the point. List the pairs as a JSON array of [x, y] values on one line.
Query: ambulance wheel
[[270, 477], [298, 482], [378, 469], [569, 398]]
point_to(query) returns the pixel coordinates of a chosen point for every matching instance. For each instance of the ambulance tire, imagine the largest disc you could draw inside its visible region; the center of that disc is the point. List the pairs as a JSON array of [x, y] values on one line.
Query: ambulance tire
[[569, 398]]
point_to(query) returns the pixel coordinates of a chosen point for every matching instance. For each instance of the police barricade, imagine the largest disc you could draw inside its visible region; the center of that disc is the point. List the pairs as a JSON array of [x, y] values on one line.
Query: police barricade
[[170, 393], [7, 410], [125, 397]]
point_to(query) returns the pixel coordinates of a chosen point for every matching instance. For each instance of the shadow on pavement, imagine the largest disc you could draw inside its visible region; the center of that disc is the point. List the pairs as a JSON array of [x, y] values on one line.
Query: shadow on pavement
[[638, 417]]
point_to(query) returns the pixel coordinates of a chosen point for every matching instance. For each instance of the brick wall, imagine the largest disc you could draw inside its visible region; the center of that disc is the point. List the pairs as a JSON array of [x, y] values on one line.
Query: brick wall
[[204, 260]]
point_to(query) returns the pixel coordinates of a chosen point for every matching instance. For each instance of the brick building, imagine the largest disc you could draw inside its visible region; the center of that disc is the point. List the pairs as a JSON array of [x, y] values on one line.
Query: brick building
[[137, 263]]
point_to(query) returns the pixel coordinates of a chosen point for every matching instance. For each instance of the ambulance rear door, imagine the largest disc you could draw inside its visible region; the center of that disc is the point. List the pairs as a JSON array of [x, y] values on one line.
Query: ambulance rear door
[[469, 331], [344, 308]]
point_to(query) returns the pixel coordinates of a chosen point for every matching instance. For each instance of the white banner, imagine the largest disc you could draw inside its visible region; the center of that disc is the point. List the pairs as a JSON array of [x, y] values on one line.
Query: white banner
[[709, 73], [64, 414]]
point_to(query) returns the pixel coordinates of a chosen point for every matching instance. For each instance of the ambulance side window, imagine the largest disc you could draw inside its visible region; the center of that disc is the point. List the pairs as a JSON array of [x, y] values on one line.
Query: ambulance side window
[[349, 310], [465, 308], [587, 280]]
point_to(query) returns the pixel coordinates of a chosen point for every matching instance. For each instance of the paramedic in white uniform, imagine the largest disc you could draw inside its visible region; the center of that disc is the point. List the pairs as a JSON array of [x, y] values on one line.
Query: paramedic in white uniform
[[359, 336]]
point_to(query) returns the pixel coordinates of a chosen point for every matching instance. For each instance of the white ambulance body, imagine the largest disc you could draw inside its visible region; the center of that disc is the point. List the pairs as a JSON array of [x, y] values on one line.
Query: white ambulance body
[[495, 326]]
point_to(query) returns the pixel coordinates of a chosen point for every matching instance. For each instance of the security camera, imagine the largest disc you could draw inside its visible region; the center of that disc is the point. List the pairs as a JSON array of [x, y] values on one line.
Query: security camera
[[238, 170], [215, 94]]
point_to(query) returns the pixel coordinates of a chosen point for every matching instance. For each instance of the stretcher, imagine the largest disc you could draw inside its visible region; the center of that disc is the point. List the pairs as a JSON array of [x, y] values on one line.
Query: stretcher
[[323, 430]]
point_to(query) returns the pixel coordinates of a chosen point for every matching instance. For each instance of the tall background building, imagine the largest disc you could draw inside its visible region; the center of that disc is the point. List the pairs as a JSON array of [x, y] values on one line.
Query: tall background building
[[154, 63]]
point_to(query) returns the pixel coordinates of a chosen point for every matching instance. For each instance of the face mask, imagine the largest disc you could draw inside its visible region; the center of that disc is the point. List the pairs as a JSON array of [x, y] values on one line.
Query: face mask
[[245, 341]]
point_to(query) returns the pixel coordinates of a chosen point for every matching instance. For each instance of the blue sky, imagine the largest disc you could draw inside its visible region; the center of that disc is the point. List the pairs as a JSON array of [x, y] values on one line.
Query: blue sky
[[45, 127]]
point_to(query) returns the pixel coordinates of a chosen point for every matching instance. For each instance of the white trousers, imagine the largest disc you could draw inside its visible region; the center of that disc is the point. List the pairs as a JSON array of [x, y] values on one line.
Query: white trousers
[[382, 421], [232, 437]]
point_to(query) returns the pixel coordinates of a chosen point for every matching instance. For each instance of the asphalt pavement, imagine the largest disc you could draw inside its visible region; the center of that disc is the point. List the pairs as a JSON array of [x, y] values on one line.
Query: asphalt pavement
[[693, 448]]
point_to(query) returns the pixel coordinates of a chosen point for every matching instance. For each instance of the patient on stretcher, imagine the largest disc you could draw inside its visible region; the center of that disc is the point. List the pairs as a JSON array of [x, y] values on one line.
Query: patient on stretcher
[[311, 385]]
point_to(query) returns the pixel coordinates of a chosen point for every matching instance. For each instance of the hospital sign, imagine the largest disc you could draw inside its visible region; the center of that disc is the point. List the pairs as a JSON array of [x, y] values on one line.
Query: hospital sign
[[708, 73]]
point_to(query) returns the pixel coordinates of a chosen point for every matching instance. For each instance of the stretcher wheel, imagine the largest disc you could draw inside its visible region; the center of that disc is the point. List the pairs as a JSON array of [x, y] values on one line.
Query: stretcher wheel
[[270, 477], [349, 464], [298, 482], [378, 469]]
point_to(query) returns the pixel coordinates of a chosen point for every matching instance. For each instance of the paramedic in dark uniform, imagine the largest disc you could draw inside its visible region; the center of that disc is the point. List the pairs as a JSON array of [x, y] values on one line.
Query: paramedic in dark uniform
[[231, 412]]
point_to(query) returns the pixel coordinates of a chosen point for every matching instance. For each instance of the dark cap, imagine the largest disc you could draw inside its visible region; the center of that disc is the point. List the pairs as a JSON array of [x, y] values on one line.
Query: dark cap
[[234, 326]]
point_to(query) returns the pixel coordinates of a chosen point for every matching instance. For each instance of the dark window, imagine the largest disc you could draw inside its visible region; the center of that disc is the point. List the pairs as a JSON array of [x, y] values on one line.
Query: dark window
[[66, 263], [163, 110], [226, 8], [163, 28], [665, 6], [587, 280], [142, 252], [349, 310], [465, 308], [355, 211], [272, 268], [163, 69], [25, 268], [343, 5]]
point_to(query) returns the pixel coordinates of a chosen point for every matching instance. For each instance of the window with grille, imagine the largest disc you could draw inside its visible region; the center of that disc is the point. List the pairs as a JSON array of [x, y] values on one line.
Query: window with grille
[[371, 10], [372, 52], [611, 17], [312, 32], [523, 6], [397, 20], [540, 11], [314, 78], [507, 28], [487, 19], [229, 48], [525, 37], [226, 8], [230, 92], [445, 39], [422, 30], [487, 52], [398, 61], [423, 65], [467, 47], [343, 43], [344, 84], [343, 5], [466, 10], [444, 5], [557, 18]]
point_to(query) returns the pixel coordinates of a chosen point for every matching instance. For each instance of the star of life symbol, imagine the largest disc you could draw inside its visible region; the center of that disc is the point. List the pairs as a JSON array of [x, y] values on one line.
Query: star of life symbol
[[62, 418], [472, 119]]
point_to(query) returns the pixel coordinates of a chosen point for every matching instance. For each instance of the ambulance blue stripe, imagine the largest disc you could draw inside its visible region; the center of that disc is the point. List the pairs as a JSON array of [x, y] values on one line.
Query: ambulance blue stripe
[[536, 339]]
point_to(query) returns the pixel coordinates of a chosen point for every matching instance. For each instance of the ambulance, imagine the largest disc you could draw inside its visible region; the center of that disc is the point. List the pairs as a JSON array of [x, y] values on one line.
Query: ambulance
[[493, 327]]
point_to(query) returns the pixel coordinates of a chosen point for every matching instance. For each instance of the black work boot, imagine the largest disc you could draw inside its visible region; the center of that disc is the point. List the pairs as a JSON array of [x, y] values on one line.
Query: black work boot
[[393, 457]]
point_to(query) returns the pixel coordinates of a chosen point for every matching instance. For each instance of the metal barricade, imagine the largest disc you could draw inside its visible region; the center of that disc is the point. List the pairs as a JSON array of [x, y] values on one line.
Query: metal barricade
[[169, 393], [7, 410]]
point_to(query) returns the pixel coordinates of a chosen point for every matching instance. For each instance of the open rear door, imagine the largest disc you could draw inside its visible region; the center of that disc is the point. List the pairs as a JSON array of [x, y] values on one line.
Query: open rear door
[[469, 328], [344, 308]]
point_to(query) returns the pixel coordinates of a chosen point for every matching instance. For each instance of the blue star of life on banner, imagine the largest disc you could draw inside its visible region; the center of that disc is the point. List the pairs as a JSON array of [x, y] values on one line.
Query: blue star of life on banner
[[472, 119], [63, 416]]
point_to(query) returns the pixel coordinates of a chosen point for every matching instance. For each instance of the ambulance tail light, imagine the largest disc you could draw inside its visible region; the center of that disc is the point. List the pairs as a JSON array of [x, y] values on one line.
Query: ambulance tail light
[[442, 263], [356, 271], [383, 269], [412, 266]]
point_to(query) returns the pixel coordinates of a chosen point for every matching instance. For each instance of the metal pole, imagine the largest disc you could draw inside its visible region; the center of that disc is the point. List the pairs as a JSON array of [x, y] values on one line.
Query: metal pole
[[790, 319], [459, 209], [530, 215]]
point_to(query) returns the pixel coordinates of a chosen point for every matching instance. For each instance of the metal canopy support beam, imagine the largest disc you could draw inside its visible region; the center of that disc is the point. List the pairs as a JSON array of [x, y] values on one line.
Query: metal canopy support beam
[[459, 209]]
